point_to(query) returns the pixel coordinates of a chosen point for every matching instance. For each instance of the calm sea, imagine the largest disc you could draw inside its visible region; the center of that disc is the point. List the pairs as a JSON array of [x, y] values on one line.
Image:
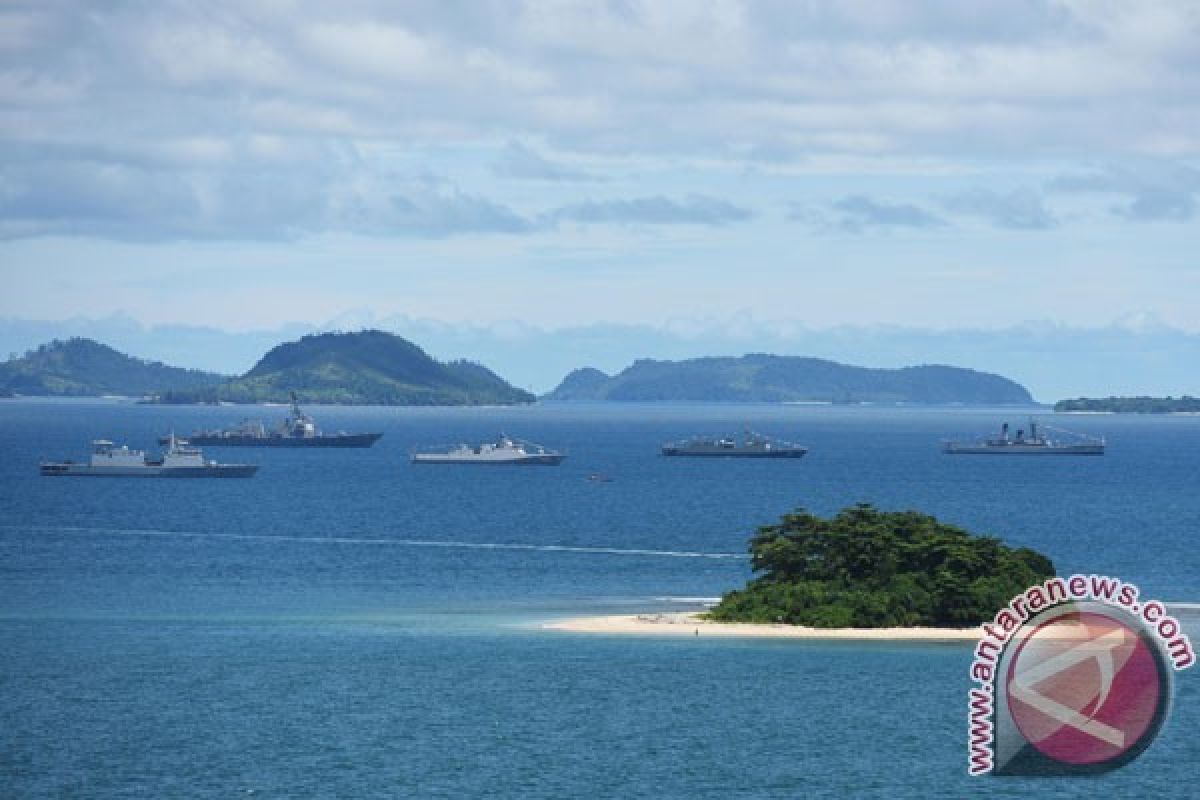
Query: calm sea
[[345, 624]]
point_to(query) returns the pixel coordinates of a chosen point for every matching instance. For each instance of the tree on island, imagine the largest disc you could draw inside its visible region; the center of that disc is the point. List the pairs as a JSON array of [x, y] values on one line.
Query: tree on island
[[866, 568], [1132, 405]]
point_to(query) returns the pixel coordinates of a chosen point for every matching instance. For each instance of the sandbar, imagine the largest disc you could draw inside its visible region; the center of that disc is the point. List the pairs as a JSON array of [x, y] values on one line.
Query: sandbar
[[683, 623]]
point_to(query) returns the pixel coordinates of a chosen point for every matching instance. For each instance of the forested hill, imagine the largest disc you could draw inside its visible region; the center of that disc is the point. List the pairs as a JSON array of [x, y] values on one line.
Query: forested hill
[[83, 367], [770, 378], [367, 367]]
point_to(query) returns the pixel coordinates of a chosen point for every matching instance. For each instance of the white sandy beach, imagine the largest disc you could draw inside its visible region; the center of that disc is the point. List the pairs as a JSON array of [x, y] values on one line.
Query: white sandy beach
[[690, 624]]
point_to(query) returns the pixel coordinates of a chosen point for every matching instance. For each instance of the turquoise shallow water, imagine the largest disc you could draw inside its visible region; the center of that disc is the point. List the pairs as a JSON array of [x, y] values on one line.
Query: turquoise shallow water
[[345, 624]]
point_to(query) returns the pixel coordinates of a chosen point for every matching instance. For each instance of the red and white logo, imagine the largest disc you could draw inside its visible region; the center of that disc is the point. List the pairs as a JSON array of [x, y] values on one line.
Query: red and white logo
[[1085, 688]]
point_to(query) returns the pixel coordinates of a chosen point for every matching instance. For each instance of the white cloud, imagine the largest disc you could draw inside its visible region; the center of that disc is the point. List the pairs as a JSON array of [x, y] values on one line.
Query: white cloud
[[488, 64], [857, 213], [1021, 209], [655, 210], [374, 50], [150, 200], [521, 162], [1038, 79], [268, 122], [1150, 190], [26, 87], [303, 118], [215, 53], [22, 29]]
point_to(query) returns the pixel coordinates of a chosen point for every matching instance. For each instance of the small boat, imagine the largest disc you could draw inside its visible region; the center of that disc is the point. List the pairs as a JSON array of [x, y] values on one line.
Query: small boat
[[298, 430], [1033, 443], [504, 451], [178, 461], [752, 445]]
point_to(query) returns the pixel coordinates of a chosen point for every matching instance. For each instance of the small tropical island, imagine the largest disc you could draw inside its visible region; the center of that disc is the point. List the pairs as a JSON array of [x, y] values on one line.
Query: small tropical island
[[894, 574], [1131, 405], [867, 568]]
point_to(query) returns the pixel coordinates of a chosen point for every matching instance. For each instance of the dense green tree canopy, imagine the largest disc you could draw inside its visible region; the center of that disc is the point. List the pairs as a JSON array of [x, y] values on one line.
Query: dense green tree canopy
[[367, 367], [83, 367], [872, 569], [1135, 405], [764, 378]]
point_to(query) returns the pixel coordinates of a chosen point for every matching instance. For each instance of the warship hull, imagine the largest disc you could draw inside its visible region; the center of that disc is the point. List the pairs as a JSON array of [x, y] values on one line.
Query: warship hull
[[1035, 444], [68, 470], [179, 461], [348, 440], [1023, 450], [529, 460], [730, 452], [749, 445], [506, 452]]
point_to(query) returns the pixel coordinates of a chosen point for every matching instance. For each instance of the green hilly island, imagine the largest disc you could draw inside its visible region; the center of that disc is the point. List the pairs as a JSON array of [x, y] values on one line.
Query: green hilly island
[[362, 368], [1132, 405], [83, 367], [773, 379], [866, 568]]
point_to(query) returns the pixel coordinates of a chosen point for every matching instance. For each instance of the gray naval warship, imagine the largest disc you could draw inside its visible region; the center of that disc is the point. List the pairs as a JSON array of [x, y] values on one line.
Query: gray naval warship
[[752, 445], [298, 430], [505, 451], [179, 461], [1035, 443]]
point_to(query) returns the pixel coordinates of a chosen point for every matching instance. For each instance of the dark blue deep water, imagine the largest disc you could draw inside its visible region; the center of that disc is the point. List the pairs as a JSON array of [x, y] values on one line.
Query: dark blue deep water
[[347, 625]]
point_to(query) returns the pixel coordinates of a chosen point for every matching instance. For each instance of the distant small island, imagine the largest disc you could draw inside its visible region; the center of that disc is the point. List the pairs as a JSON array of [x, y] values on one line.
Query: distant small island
[[866, 568], [1132, 405], [363, 368], [765, 378]]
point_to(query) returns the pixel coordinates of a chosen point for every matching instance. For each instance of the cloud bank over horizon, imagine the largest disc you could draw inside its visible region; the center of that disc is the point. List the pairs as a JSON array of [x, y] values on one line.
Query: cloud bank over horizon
[[861, 163]]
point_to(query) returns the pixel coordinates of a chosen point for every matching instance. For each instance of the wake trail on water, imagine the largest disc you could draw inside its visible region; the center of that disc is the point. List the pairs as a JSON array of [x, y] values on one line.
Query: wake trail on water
[[543, 548]]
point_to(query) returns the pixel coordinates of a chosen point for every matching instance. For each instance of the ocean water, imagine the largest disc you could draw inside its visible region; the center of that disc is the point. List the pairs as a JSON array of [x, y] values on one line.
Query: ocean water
[[346, 624]]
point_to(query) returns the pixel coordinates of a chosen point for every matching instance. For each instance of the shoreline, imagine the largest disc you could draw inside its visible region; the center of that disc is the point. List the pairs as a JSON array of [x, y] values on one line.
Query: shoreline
[[688, 623]]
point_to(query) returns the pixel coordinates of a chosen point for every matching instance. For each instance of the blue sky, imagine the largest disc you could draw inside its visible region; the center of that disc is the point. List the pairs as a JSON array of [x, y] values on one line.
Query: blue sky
[[674, 165]]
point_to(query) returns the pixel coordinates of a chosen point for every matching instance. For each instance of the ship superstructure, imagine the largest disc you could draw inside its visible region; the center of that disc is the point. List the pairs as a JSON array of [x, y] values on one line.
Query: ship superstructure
[[504, 451], [178, 461], [751, 445], [1033, 442], [297, 430]]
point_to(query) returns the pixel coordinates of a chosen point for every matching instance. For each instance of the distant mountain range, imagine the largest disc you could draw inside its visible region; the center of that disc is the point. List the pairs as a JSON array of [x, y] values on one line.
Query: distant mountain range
[[364, 368], [82, 367], [369, 367], [774, 379], [1137, 355], [375, 367]]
